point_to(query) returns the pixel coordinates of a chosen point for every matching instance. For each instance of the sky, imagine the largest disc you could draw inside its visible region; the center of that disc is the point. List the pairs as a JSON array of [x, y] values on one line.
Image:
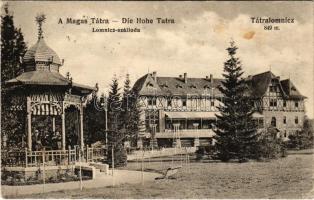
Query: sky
[[195, 44]]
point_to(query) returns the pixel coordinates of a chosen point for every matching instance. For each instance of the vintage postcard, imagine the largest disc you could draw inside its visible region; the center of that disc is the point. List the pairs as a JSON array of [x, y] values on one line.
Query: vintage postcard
[[142, 100]]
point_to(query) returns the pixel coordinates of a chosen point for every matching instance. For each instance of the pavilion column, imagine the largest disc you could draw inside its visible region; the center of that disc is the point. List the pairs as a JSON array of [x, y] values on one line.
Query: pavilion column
[[54, 124], [201, 123], [29, 124], [63, 129], [29, 130], [81, 127]]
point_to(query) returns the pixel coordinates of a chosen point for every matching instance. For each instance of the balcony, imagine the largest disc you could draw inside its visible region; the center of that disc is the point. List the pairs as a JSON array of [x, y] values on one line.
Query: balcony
[[186, 133]]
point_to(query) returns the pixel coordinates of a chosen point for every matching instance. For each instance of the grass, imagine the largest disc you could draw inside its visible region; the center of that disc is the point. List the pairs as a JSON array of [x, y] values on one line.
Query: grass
[[289, 177]]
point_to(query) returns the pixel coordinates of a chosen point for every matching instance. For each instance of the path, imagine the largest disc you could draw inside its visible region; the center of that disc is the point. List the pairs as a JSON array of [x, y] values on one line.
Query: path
[[101, 180]]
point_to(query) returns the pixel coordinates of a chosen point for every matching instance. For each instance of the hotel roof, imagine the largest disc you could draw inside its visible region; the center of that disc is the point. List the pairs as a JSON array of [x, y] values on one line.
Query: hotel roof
[[151, 84]]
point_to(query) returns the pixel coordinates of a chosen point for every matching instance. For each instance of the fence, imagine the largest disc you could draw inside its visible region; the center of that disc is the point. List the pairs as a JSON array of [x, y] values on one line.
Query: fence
[[95, 154], [161, 153], [27, 158]]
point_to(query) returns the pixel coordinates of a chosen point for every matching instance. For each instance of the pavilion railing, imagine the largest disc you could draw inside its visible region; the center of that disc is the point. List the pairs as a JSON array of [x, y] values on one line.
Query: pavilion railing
[[20, 158], [13, 158], [51, 158]]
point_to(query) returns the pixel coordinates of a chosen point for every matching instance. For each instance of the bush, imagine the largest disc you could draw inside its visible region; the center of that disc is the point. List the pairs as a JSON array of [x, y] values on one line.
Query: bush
[[208, 151], [270, 146], [302, 139], [120, 156], [200, 153]]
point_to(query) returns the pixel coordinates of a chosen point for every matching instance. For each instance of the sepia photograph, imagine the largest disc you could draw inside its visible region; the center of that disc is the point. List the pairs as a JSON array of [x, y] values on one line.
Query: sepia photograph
[[157, 100]]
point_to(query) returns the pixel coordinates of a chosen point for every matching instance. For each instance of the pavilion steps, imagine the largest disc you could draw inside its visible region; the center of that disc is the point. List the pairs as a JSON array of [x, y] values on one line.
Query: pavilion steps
[[102, 167]]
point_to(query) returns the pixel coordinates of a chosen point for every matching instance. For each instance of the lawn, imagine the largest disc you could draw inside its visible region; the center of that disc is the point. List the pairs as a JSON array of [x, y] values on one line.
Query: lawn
[[289, 177]]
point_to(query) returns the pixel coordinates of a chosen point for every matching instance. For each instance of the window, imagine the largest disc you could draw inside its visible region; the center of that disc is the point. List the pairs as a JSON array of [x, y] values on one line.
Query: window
[[212, 103], [273, 103], [273, 121], [296, 104], [178, 86], [149, 84], [169, 102], [272, 88], [296, 120], [183, 102], [152, 101], [284, 119], [284, 103], [285, 133], [152, 119]]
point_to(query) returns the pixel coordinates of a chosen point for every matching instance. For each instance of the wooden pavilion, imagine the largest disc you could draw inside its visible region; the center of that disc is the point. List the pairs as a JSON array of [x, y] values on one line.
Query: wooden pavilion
[[46, 96]]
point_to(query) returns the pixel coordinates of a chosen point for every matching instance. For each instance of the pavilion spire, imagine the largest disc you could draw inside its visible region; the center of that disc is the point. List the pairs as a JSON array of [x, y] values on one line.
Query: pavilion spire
[[40, 19]]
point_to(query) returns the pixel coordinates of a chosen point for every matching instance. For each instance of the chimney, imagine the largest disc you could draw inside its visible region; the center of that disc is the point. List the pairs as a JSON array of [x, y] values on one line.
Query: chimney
[[180, 76], [206, 77], [211, 79], [185, 77], [154, 76]]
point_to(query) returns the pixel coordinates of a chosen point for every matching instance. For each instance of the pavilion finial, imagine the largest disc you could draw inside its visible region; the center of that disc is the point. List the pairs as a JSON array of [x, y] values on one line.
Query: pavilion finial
[[40, 19], [97, 87]]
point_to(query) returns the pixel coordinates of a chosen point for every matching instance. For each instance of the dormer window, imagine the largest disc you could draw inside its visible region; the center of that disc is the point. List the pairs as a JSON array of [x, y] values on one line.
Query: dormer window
[[178, 86], [164, 85], [272, 88], [193, 86], [149, 84]]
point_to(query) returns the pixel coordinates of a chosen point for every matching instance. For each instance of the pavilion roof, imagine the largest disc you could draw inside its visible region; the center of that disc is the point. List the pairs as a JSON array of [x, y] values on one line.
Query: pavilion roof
[[45, 78]]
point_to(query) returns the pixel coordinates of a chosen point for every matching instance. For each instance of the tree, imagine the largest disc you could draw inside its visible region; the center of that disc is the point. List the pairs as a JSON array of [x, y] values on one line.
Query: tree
[[13, 48], [131, 113], [115, 124], [94, 123], [236, 131]]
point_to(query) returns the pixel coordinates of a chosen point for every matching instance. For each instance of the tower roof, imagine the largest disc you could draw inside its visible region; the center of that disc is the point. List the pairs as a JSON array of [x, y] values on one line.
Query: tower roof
[[41, 52]]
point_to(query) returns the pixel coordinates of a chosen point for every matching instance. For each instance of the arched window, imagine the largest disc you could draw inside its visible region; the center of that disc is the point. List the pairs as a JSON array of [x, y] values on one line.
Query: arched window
[[273, 121]]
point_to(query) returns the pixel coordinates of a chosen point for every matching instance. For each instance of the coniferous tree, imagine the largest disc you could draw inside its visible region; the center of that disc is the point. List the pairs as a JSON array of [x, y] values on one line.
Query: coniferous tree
[[236, 131], [131, 113], [115, 124], [126, 108], [13, 48], [94, 123]]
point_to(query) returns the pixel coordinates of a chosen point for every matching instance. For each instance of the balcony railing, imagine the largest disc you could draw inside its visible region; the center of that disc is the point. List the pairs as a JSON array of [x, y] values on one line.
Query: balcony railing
[[186, 133]]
